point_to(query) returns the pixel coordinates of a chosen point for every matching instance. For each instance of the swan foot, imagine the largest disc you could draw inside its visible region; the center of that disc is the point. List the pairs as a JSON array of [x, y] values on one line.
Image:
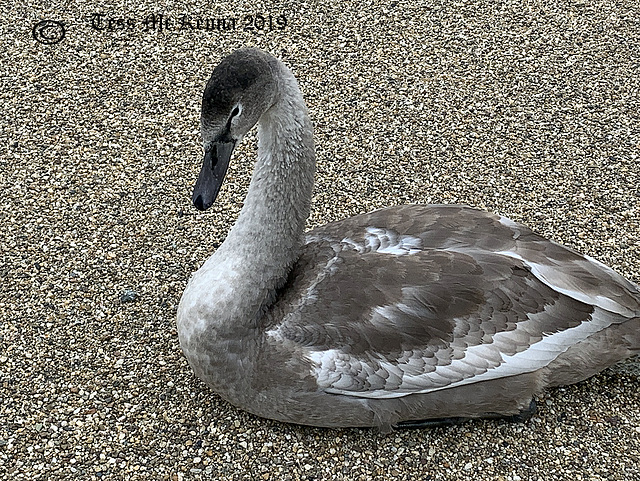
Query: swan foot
[[521, 417]]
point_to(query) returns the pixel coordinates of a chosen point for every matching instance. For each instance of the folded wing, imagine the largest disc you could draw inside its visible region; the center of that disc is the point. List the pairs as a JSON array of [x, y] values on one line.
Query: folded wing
[[459, 296]]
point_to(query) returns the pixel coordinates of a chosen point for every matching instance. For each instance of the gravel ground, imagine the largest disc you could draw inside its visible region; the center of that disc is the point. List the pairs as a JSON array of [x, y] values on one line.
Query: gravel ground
[[528, 109]]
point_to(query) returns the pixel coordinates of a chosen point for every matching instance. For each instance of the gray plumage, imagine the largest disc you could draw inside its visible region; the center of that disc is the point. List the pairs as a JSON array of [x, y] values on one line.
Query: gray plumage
[[406, 313]]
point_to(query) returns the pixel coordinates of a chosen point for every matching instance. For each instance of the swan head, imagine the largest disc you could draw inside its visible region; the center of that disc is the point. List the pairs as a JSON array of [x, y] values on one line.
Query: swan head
[[241, 88]]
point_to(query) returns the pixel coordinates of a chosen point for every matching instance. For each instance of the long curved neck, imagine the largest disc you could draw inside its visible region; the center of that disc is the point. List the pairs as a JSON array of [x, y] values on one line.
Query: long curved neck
[[266, 239]]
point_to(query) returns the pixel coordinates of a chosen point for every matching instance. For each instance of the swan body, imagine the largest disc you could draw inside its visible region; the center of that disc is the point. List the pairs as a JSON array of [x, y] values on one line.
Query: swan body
[[403, 314]]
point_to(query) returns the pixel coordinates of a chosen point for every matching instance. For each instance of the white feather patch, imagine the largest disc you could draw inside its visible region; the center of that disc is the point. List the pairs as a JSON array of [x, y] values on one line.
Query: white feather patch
[[475, 366], [385, 241], [549, 275]]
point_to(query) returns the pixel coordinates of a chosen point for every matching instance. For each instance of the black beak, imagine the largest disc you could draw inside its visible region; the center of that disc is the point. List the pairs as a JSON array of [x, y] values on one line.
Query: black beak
[[214, 167]]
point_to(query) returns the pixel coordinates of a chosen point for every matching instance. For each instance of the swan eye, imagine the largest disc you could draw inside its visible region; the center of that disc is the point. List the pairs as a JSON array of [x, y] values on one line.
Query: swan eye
[[233, 117]]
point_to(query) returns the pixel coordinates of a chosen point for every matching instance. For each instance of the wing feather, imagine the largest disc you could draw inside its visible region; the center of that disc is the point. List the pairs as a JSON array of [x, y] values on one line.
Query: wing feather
[[455, 297]]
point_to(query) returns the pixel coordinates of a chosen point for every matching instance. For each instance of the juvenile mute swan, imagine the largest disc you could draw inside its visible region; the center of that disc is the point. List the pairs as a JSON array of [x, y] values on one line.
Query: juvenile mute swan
[[406, 314]]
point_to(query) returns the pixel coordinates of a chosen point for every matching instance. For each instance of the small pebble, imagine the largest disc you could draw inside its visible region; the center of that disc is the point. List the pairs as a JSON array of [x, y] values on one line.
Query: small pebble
[[128, 296]]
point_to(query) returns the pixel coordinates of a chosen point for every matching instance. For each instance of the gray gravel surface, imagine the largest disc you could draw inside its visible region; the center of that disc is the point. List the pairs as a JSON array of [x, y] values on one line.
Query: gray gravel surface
[[529, 109]]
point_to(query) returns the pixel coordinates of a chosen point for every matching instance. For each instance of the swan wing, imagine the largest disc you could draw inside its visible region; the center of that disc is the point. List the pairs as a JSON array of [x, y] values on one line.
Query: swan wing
[[383, 313]]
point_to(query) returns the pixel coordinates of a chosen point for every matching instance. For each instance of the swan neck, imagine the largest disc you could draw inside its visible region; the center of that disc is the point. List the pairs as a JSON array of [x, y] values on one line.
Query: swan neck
[[227, 298], [268, 234]]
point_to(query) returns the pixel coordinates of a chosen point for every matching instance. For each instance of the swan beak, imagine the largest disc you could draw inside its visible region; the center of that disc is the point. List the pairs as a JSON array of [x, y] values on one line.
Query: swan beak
[[214, 167]]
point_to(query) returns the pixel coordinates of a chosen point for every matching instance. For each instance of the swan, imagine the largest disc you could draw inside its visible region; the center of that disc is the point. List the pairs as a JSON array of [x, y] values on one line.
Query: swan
[[411, 315]]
